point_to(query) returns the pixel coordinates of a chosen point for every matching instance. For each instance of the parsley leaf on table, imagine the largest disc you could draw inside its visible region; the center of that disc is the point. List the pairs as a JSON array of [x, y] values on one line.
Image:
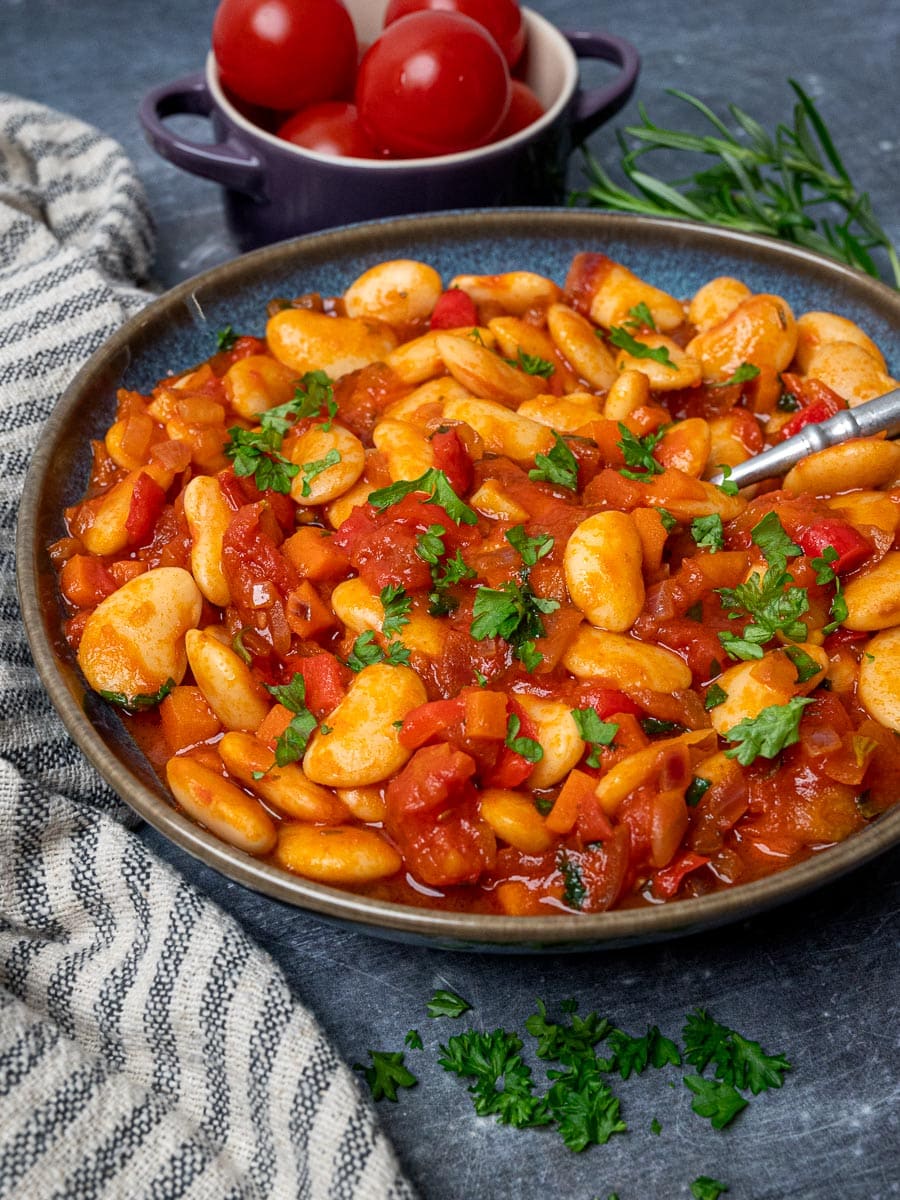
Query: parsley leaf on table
[[562, 1041], [706, 1188], [719, 1102], [386, 1074], [413, 1040], [636, 1054], [583, 1105], [446, 1003], [737, 1060], [503, 1084]]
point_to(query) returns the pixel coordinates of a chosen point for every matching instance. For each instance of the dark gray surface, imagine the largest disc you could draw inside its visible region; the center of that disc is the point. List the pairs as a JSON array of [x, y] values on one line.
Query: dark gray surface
[[818, 980]]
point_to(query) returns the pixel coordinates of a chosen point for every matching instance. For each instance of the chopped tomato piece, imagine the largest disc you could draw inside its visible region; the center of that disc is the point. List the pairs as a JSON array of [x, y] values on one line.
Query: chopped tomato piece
[[326, 680], [851, 546], [668, 880], [452, 457], [454, 309], [147, 500]]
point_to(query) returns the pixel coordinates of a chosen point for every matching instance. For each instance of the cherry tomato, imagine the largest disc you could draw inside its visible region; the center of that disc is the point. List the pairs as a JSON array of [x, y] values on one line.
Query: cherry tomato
[[501, 18], [433, 83], [524, 110], [285, 54], [330, 127]]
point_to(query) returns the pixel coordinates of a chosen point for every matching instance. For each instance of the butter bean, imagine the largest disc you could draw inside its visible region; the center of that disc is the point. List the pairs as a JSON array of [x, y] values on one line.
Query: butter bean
[[576, 339], [624, 661], [862, 463], [257, 383], [419, 359], [363, 746], [208, 516], [408, 452], [220, 806], [337, 854], [630, 390], [311, 449], [225, 680], [286, 788], [558, 737], [850, 370], [752, 686], [311, 341], [681, 370], [619, 290], [515, 820], [400, 291], [873, 596], [134, 640], [602, 562], [639, 767], [761, 331], [514, 291], [879, 671], [107, 534], [815, 329], [566, 414], [502, 431], [715, 301], [484, 373]]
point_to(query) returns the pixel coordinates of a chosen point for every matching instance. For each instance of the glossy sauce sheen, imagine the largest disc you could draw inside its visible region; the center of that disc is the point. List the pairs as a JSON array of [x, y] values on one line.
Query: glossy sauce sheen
[[564, 672]]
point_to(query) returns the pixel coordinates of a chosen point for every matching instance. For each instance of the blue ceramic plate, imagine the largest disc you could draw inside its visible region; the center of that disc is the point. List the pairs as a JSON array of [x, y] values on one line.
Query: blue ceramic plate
[[178, 330]]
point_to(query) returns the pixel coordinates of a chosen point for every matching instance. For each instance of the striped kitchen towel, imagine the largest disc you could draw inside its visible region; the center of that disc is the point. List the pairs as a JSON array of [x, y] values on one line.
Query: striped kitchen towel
[[147, 1047]]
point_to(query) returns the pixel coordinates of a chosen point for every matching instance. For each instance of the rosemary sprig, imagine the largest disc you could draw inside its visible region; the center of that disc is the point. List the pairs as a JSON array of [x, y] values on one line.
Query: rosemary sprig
[[759, 183]]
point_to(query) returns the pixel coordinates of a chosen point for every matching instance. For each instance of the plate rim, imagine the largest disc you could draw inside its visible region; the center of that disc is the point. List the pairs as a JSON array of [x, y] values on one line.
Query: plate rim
[[435, 927]]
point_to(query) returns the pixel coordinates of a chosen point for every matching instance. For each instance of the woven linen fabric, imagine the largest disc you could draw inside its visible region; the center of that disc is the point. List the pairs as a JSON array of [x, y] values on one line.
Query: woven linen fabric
[[147, 1047]]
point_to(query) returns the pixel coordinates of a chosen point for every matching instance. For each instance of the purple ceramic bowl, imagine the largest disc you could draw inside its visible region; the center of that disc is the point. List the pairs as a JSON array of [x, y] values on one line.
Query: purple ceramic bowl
[[275, 190]]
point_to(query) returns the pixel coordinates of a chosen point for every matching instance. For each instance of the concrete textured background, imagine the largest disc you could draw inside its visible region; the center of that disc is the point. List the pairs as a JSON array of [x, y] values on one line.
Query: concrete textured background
[[819, 979]]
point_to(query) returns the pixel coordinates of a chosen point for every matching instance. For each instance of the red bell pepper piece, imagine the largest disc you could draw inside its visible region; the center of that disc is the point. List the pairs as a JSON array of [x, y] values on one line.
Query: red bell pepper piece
[[667, 880], [147, 500], [851, 546], [454, 309]]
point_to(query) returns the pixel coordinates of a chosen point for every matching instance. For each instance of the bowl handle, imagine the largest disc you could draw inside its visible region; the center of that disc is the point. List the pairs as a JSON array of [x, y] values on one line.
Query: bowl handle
[[596, 105], [228, 162]]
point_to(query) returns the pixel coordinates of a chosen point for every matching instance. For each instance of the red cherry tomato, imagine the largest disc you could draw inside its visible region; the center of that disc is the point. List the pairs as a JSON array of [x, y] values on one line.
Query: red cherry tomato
[[331, 127], [501, 18], [524, 110], [285, 54], [433, 83]]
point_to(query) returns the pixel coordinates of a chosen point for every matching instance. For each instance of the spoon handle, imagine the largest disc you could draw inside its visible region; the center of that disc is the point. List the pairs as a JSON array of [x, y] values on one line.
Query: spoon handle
[[881, 415]]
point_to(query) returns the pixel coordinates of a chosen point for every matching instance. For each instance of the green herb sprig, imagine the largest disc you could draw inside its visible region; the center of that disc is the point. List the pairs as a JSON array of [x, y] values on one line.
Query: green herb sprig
[[791, 184]]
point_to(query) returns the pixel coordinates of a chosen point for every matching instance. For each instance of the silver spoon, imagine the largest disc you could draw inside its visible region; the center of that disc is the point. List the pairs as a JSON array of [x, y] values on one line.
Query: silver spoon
[[881, 415]]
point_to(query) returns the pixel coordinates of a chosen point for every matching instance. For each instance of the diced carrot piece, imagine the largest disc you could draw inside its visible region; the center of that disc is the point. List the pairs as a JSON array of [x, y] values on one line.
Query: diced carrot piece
[[186, 718], [653, 536], [315, 555], [85, 581], [306, 611], [564, 813], [485, 714], [273, 724], [125, 569], [518, 900]]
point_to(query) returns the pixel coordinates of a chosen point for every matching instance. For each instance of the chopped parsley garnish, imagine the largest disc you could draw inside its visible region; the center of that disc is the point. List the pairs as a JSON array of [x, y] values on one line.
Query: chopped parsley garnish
[[430, 544], [623, 340], [668, 521], [825, 573], [558, 466], [708, 533], [529, 749], [631, 1054], [512, 612], [705, 1187], [503, 1085], [225, 338], [787, 403], [396, 605], [257, 452], [445, 1003], [745, 372], [311, 470], [314, 393], [574, 890], [715, 695], [386, 1074], [437, 489], [291, 745], [697, 789], [737, 1060], [530, 548], [654, 727], [638, 453], [595, 732], [773, 604], [806, 665], [141, 701], [727, 486], [366, 651], [768, 733], [532, 364], [640, 317]]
